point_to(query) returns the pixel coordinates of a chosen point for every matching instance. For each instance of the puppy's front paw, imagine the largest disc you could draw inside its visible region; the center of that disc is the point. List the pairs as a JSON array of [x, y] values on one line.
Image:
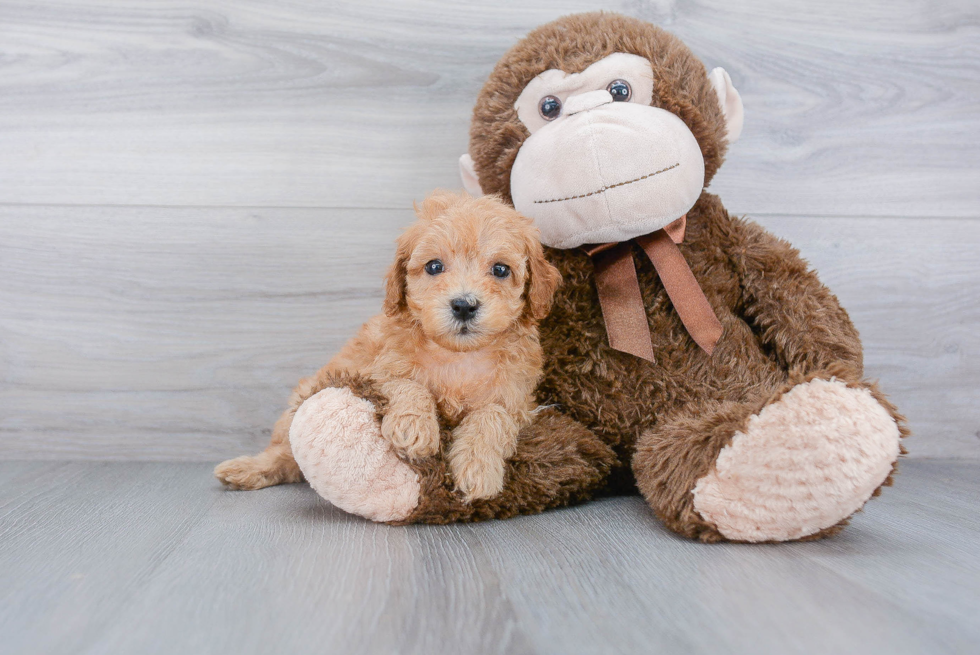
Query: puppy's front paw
[[413, 435], [478, 472]]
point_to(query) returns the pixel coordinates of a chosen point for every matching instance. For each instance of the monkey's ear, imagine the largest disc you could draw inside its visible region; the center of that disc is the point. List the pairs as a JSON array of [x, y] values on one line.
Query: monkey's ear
[[396, 278], [730, 100], [470, 181]]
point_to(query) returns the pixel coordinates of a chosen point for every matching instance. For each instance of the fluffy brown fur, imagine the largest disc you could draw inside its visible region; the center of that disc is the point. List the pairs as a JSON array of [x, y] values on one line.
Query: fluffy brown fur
[[668, 421], [478, 375]]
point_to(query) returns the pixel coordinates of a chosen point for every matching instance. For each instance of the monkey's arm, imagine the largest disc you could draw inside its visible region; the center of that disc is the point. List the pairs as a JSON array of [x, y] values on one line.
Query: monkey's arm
[[791, 310]]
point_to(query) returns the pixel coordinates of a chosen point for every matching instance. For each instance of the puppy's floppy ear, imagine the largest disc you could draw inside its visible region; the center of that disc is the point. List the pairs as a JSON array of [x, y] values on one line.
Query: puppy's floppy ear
[[395, 280], [543, 280]]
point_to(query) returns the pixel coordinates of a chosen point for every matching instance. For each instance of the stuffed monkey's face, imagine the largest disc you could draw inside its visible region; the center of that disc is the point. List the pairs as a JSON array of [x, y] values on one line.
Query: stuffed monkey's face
[[600, 163]]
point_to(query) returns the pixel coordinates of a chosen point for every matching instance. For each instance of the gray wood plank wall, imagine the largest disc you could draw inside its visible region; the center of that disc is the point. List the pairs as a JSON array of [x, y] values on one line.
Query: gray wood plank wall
[[198, 200]]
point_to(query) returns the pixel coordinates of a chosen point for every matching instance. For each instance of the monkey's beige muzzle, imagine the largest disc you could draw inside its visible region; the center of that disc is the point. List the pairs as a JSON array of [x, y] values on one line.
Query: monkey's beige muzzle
[[606, 171], [605, 174]]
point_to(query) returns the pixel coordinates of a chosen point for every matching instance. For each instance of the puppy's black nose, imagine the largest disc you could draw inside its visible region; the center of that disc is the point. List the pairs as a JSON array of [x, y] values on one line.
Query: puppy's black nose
[[463, 308]]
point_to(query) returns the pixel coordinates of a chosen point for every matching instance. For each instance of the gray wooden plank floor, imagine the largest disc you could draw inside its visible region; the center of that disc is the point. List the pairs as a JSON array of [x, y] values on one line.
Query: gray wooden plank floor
[[157, 558]]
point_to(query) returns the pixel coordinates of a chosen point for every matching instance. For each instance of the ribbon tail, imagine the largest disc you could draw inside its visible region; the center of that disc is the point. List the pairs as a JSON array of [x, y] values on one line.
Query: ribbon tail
[[683, 289], [622, 304]]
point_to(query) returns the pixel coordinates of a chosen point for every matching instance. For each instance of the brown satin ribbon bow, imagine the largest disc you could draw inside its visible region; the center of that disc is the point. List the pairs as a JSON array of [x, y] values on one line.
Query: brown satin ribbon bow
[[622, 304]]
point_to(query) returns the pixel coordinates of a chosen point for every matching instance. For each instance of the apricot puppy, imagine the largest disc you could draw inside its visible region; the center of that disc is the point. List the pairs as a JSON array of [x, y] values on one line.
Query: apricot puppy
[[459, 335], [458, 338]]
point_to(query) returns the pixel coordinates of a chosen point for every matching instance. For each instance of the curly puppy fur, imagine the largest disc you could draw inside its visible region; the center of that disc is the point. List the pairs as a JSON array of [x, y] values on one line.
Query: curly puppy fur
[[478, 372]]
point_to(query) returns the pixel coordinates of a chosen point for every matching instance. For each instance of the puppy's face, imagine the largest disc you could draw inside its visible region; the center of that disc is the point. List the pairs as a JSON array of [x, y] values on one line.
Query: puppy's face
[[468, 270]]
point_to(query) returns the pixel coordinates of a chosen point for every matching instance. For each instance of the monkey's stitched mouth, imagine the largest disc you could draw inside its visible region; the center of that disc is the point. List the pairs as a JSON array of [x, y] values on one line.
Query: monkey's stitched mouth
[[611, 186]]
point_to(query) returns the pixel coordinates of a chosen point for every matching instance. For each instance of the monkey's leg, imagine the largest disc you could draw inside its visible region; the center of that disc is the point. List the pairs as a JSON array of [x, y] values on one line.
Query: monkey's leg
[[795, 464], [336, 438]]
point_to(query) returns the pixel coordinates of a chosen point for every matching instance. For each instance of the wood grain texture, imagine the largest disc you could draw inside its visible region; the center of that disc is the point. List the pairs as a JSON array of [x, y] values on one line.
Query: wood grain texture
[[177, 244], [78, 541], [864, 109], [157, 558], [162, 334], [176, 334]]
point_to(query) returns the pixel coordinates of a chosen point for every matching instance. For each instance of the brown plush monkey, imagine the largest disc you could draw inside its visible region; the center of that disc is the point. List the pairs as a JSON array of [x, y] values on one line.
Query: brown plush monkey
[[688, 351]]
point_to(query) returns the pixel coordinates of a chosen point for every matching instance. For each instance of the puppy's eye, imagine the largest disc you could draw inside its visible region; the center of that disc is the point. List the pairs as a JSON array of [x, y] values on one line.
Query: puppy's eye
[[435, 267], [500, 270], [550, 108], [619, 90]]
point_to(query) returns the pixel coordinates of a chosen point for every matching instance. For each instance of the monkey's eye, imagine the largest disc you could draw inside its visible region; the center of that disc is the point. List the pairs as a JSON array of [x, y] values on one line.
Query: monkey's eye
[[500, 270], [619, 90], [550, 108], [435, 267]]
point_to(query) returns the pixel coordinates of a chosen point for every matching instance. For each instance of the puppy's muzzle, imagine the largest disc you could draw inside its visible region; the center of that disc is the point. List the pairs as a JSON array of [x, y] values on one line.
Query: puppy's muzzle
[[464, 308]]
